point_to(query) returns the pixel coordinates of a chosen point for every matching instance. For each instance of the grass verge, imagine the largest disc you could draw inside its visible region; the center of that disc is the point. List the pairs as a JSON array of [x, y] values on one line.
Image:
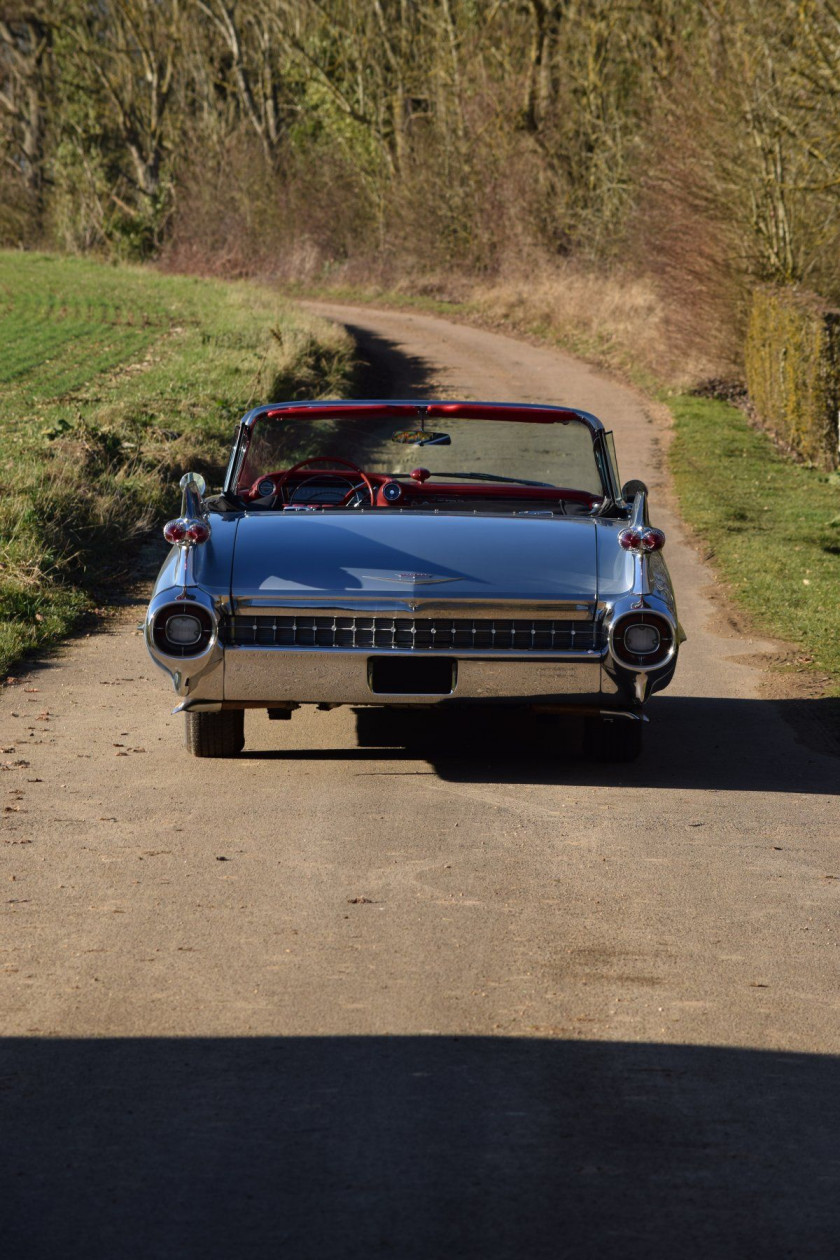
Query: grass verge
[[772, 527], [113, 381]]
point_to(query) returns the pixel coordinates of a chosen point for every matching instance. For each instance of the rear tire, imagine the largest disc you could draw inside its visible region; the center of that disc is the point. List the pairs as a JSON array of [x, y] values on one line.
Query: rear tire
[[613, 739], [215, 734]]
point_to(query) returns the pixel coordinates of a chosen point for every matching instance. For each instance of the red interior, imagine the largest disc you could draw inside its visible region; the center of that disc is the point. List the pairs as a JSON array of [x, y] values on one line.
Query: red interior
[[413, 492]]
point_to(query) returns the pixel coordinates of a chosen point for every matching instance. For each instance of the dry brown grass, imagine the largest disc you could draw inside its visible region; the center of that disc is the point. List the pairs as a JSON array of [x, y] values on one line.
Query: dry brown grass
[[617, 320], [614, 319]]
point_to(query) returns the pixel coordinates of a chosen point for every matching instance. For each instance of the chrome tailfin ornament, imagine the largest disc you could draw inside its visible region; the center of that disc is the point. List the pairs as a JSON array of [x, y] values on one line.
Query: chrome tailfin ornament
[[192, 526]]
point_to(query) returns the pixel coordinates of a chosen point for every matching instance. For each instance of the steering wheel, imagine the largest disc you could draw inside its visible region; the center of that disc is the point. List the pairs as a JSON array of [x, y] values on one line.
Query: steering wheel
[[328, 459]]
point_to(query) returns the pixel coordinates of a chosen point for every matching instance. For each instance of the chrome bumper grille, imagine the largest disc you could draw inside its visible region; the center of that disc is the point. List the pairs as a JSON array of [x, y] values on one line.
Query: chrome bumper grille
[[410, 633]]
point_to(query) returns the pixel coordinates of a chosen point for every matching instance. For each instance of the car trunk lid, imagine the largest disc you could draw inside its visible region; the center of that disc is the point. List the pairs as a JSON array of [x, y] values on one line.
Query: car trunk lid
[[305, 558]]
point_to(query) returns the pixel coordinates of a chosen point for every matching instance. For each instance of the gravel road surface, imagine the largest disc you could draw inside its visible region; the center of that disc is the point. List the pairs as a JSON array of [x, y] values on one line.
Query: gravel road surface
[[330, 1001]]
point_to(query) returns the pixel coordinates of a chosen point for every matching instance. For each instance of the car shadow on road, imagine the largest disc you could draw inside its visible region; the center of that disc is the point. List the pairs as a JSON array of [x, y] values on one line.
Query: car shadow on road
[[690, 743], [415, 1147], [385, 370]]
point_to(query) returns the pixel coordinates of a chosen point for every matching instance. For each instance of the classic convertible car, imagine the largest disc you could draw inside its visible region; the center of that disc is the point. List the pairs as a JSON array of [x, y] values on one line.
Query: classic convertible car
[[404, 554]]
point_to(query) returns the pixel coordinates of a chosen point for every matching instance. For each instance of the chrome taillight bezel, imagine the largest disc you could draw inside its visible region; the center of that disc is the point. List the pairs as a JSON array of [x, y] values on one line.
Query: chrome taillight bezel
[[643, 661], [180, 609]]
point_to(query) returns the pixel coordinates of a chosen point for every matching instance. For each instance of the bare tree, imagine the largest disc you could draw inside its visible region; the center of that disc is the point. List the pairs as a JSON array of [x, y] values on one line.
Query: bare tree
[[248, 34], [24, 51], [127, 50]]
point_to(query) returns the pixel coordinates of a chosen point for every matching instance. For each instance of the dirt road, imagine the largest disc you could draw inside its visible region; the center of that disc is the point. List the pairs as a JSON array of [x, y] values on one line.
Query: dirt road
[[327, 1001]]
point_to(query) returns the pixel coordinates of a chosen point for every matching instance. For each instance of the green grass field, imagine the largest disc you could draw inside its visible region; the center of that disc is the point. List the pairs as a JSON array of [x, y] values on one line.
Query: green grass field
[[772, 526], [113, 381]]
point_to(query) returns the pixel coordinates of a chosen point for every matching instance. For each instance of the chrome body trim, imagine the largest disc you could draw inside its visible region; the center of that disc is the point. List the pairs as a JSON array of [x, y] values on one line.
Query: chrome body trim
[[198, 706], [186, 568], [562, 610], [641, 568]]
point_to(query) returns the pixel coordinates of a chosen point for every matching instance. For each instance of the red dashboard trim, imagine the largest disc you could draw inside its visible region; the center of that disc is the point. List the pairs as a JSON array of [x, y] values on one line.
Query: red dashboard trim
[[412, 491], [486, 490]]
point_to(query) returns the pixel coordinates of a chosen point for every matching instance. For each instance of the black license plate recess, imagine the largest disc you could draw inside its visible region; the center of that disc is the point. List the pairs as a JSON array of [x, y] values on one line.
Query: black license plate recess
[[412, 675]]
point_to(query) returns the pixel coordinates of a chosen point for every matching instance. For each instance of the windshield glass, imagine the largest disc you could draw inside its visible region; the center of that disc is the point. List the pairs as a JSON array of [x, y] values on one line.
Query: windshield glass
[[547, 454]]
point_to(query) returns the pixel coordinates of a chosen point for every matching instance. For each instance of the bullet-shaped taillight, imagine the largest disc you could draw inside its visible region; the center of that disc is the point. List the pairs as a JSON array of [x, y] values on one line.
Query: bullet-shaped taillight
[[174, 531], [652, 539], [642, 541], [198, 532], [186, 530]]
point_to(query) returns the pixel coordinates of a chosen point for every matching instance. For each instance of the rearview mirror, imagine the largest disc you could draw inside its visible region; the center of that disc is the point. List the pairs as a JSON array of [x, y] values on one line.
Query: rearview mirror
[[420, 437]]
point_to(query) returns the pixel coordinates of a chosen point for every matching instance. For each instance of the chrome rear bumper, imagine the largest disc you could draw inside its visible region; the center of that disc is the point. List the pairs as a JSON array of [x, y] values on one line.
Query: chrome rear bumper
[[359, 657], [349, 676]]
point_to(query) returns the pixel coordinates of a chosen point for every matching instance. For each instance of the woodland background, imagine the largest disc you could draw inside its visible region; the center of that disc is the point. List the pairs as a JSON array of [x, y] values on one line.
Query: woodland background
[[683, 151]]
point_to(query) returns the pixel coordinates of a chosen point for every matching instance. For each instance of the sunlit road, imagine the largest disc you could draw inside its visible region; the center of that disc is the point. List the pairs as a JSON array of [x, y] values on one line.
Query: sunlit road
[[328, 1001]]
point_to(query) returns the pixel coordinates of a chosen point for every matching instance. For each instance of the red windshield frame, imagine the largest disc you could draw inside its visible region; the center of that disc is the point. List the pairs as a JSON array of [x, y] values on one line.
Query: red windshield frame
[[431, 411]]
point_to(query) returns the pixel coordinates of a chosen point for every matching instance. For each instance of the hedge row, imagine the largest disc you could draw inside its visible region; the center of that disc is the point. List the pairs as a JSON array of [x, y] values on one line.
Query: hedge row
[[793, 371]]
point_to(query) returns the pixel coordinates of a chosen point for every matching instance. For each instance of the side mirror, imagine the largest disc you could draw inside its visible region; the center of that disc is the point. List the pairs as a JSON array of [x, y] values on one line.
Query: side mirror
[[195, 480], [631, 488]]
